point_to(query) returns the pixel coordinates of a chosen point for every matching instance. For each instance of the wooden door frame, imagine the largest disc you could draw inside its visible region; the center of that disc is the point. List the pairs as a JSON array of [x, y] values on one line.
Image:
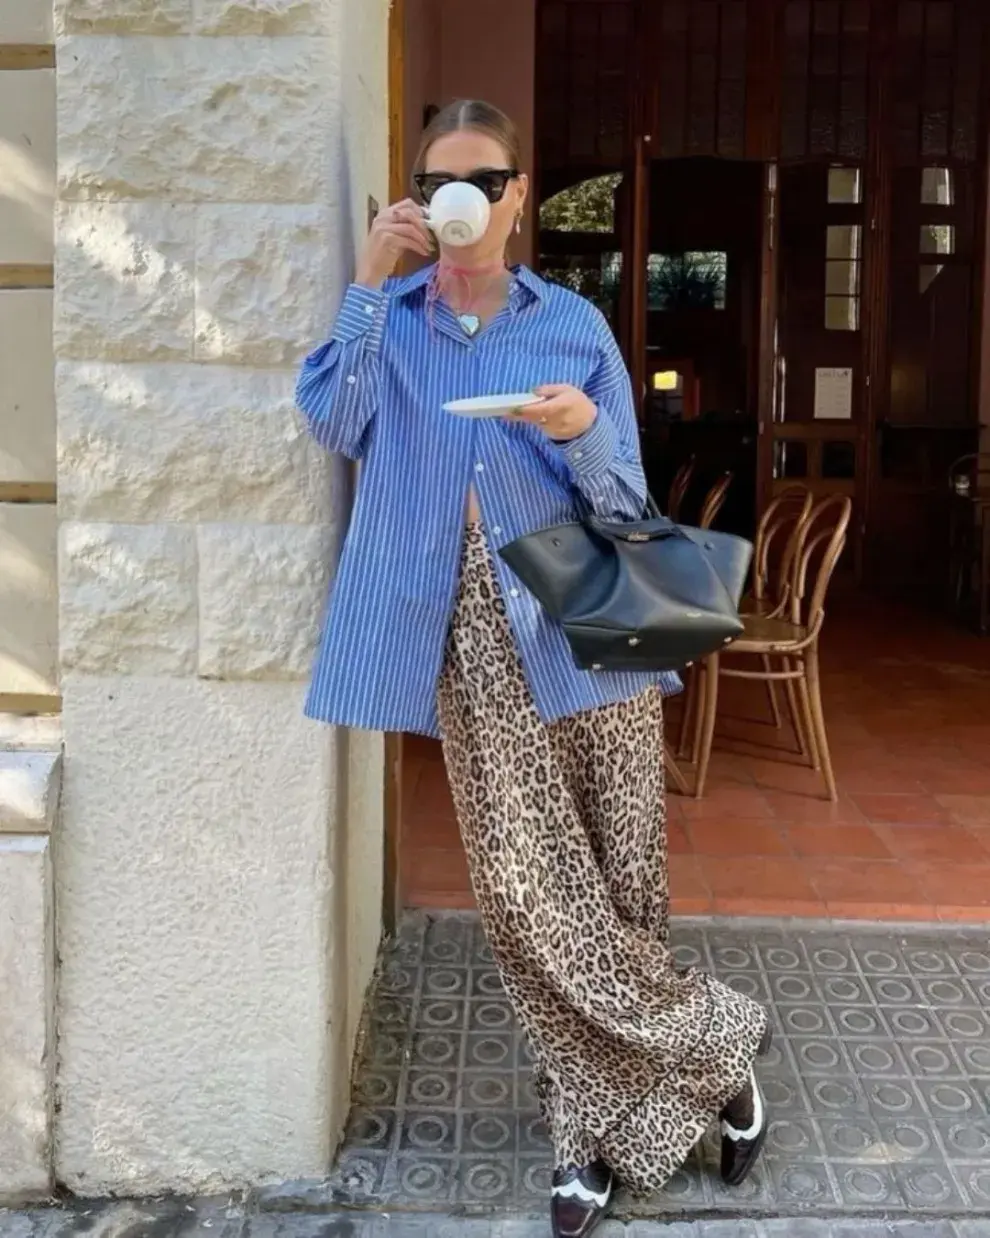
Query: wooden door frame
[[392, 749]]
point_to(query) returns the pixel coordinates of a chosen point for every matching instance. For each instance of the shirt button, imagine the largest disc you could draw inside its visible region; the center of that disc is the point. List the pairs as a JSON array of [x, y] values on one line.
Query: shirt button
[[579, 455], [497, 531], [352, 379], [369, 309], [479, 467], [513, 593]]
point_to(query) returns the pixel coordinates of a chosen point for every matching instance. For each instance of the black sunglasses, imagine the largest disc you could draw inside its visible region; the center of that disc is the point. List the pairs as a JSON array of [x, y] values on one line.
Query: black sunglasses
[[491, 182]]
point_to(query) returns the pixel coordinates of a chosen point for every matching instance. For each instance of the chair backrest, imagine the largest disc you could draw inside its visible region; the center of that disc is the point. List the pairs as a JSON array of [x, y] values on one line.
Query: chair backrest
[[823, 536], [975, 468], [714, 501], [679, 488], [784, 514]]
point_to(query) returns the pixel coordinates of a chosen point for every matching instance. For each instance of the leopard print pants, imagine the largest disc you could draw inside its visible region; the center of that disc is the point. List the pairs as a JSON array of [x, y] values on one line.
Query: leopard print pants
[[565, 833]]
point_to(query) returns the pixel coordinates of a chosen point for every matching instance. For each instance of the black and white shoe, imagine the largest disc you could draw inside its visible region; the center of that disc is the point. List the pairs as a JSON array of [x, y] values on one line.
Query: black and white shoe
[[579, 1198], [741, 1147]]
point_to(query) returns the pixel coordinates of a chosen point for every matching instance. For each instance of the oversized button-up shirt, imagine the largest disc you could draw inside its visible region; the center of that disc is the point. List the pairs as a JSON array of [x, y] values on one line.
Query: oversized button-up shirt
[[374, 392]]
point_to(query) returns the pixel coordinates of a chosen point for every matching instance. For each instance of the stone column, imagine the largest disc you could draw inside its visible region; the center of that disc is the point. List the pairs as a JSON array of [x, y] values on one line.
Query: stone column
[[212, 954]]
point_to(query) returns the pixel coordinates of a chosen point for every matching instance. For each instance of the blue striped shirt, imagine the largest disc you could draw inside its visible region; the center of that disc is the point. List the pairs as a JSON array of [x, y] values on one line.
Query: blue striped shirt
[[374, 393]]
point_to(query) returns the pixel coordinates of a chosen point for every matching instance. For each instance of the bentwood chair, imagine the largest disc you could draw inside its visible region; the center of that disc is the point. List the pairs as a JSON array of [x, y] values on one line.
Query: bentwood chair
[[782, 520], [969, 536], [769, 588], [715, 501], [787, 643], [679, 488]]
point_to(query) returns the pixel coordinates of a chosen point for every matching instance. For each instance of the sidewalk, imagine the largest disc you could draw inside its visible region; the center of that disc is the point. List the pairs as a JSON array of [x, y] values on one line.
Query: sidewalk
[[170, 1220], [878, 1088], [878, 1085]]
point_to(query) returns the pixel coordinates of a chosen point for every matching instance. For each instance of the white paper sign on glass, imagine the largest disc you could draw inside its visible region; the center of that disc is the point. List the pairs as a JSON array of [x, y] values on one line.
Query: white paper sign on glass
[[833, 393]]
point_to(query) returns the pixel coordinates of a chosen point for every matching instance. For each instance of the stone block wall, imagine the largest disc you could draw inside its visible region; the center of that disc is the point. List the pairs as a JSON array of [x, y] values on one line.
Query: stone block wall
[[28, 602], [218, 893]]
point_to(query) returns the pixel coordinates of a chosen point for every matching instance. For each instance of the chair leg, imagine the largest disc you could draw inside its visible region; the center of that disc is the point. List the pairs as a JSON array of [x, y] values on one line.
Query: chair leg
[[705, 730], [807, 721], [818, 716], [685, 741], [674, 775], [799, 716], [772, 693]]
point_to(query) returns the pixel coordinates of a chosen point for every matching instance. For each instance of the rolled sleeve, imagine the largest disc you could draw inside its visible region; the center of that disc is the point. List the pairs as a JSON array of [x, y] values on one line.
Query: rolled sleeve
[[592, 455], [362, 313]]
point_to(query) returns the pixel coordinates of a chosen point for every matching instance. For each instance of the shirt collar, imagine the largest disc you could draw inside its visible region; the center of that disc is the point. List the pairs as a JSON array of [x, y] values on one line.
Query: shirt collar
[[526, 284]]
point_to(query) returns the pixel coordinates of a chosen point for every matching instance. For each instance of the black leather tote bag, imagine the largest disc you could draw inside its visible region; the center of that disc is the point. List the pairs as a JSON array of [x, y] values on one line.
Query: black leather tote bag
[[646, 595]]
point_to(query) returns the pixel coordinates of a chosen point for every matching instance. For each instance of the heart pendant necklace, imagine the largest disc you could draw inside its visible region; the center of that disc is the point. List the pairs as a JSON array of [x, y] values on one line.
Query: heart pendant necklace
[[470, 323]]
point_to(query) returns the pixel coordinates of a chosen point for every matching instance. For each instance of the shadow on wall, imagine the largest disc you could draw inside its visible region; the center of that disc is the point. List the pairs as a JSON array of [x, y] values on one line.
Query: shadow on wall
[[27, 184]]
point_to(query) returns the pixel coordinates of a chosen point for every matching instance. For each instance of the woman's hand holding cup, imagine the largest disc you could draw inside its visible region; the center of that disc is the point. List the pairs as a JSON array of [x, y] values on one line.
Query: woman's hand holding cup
[[397, 230]]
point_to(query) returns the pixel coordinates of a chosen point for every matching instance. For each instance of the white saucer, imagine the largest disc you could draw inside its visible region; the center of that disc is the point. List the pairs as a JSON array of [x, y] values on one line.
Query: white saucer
[[491, 405]]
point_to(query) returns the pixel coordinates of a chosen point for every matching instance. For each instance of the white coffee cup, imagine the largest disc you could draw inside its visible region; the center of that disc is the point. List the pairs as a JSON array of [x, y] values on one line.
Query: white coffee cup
[[459, 214]]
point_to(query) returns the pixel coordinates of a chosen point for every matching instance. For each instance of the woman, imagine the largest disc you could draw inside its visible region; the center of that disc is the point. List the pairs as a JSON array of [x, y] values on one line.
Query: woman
[[556, 773]]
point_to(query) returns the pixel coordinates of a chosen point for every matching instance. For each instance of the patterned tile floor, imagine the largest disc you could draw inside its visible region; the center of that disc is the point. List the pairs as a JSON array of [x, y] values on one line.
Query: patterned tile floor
[[878, 1084], [908, 707]]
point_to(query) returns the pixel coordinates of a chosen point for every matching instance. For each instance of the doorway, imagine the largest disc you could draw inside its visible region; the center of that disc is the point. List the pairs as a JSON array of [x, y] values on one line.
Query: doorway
[[720, 179]]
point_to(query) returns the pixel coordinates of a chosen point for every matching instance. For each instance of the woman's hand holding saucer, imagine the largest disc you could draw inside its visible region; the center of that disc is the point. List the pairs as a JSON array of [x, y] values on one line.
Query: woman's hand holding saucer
[[564, 412]]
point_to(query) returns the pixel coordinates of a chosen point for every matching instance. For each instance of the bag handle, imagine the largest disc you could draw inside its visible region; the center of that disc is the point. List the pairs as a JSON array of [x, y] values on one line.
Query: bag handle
[[653, 526]]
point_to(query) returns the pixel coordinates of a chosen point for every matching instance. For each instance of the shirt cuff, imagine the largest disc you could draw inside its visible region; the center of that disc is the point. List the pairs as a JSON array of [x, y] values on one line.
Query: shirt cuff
[[362, 311], [593, 452]]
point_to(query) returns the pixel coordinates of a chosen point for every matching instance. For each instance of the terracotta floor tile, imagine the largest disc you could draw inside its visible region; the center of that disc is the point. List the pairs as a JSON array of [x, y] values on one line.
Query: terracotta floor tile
[[841, 841], [790, 808], [688, 884], [810, 908], [934, 843], [732, 802], [865, 881], [900, 809], [967, 809], [954, 885], [678, 842], [908, 714], [735, 836], [780, 778], [757, 877], [871, 912], [963, 915]]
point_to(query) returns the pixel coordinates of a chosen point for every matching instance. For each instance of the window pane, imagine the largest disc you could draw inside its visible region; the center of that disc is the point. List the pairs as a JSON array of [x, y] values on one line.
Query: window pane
[[586, 207], [790, 459], [594, 276], [937, 188], [938, 239], [687, 281], [842, 278], [839, 461], [929, 273], [842, 313], [845, 186], [843, 240]]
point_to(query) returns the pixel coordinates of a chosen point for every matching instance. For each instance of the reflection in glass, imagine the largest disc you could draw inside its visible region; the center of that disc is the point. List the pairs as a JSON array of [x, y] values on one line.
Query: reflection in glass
[[845, 186], [842, 313], [937, 188], [687, 281], [594, 276], [790, 459], [938, 239], [844, 241], [839, 461], [586, 207], [928, 274], [842, 278]]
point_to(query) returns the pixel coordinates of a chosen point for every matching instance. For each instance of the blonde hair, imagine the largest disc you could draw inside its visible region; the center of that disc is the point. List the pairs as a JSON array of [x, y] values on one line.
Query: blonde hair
[[477, 116]]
